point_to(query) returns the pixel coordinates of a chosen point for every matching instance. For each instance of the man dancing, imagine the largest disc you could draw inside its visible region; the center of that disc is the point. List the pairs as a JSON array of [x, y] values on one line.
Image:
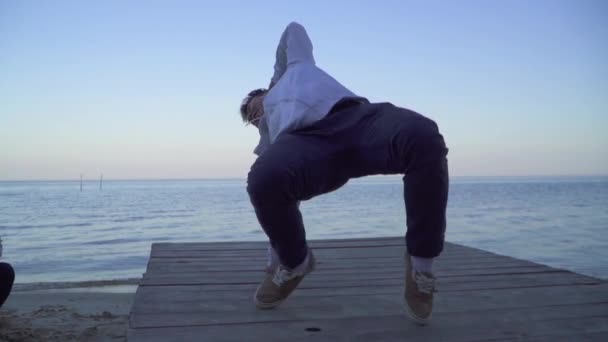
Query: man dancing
[[315, 135]]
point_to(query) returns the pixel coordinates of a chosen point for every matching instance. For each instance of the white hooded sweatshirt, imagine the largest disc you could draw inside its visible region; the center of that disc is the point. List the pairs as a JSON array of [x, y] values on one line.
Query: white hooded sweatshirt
[[300, 92]]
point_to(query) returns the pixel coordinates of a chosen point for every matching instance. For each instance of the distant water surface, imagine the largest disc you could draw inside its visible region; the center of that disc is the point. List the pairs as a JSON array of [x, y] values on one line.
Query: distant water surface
[[54, 232]]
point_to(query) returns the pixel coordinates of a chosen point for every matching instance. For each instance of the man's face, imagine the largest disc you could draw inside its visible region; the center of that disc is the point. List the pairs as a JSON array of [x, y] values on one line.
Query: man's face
[[255, 110]]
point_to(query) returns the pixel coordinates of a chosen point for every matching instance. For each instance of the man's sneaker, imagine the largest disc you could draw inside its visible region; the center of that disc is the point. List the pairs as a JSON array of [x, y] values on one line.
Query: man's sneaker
[[419, 288], [275, 288]]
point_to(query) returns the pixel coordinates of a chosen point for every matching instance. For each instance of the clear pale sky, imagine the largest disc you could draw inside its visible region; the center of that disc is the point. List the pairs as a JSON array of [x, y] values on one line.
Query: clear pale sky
[[151, 89]]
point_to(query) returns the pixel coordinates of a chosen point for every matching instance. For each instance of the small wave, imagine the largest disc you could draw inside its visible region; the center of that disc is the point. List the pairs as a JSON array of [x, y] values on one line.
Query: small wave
[[91, 216], [133, 218], [34, 226], [515, 221], [84, 224], [151, 217], [170, 211], [34, 248], [110, 241], [158, 211], [10, 194], [176, 215]]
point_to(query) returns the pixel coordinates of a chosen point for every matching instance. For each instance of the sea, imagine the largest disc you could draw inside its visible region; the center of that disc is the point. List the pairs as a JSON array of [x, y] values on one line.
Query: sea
[[65, 231]]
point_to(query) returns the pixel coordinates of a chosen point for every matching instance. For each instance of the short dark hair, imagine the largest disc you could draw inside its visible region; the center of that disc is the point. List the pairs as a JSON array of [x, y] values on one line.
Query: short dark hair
[[247, 99]]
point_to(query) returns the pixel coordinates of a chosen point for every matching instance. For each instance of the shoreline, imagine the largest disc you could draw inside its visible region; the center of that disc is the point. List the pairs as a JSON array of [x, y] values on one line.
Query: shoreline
[[126, 285]]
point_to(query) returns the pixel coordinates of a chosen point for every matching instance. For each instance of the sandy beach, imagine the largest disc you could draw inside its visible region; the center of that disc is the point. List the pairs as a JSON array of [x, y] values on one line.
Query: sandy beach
[[62, 312]]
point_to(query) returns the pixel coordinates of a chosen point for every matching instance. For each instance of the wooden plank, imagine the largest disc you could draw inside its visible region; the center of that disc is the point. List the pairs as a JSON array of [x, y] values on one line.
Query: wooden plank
[[203, 291], [506, 280], [157, 296], [191, 299], [345, 264], [348, 274], [244, 245], [346, 253], [364, 288], [354, 272], [343, 252], [314, 244], [459, 287], [480, 325], [598, 336], [350, 263], [448, 248]]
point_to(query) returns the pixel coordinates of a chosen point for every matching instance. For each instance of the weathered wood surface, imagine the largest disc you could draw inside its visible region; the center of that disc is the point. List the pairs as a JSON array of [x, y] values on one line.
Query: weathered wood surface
[[204, 291]]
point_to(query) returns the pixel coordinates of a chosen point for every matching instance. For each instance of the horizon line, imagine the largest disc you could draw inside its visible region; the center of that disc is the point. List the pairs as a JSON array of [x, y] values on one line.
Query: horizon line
[[244, 178]]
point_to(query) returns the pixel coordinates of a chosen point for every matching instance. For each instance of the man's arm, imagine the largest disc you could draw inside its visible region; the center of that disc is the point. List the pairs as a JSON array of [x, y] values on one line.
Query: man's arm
[[294, 47], [264, 138]]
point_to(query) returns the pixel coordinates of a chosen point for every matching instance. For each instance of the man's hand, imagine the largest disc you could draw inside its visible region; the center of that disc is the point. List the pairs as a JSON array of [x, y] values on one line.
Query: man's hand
[[255, 110]]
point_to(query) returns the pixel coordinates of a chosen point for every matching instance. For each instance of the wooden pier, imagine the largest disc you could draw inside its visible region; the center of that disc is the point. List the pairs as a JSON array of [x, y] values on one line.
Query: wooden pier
[[204, 292]]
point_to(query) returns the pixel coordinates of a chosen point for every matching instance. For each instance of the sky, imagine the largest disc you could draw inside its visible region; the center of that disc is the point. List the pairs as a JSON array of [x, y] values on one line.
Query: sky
[[151, 89]]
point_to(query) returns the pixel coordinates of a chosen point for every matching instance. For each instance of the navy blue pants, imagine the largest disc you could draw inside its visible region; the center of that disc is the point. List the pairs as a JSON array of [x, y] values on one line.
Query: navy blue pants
[[360, 140], [7, 277]]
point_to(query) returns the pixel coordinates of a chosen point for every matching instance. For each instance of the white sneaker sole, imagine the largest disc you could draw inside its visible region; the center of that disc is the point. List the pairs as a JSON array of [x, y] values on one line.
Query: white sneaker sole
[[265, 306], [412, 316]]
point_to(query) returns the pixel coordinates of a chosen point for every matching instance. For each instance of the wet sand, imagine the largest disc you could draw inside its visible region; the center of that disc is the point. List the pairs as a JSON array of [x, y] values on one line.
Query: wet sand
[[90, 311]]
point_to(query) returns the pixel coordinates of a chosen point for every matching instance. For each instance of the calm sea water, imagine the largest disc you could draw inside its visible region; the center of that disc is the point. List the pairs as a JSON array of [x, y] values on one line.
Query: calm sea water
[[54, 232]]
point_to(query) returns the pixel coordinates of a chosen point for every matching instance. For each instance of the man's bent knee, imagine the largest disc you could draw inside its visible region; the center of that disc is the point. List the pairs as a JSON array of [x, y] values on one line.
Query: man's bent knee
[[419, 142]]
